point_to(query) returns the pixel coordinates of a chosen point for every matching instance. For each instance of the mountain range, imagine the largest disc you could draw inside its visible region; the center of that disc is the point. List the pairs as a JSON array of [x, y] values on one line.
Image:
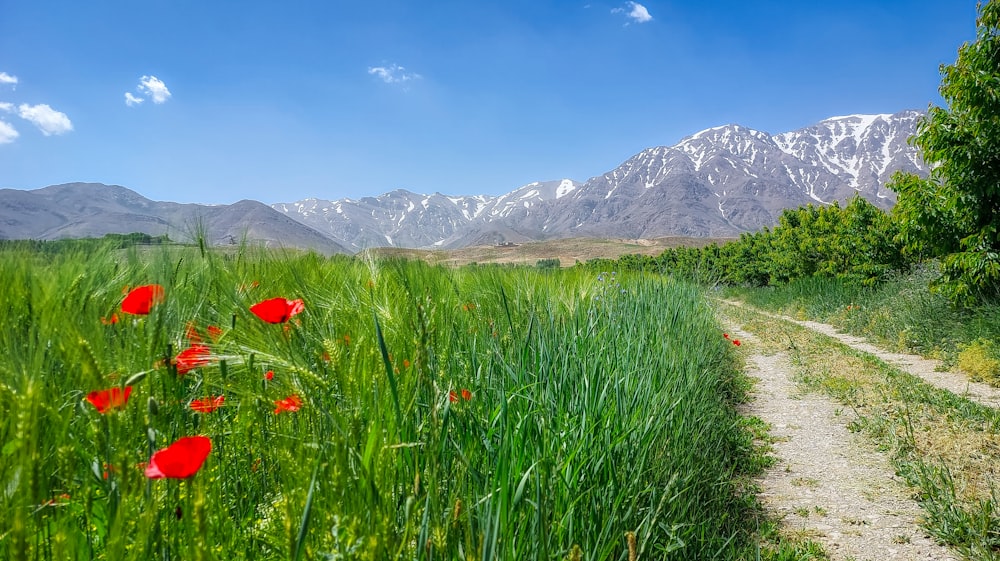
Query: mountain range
[[715, 183]]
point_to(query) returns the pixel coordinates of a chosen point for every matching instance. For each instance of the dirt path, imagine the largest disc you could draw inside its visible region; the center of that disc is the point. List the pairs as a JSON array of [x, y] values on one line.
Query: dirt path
[[829, 483]]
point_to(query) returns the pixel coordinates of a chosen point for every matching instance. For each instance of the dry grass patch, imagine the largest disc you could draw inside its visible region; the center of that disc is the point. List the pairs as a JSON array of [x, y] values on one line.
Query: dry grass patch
[[567, 251]]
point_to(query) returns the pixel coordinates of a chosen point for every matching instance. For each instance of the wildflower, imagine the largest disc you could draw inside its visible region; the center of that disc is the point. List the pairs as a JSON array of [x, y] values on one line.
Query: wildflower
[[140, 299], [105, 400], [725, 336], [466, 394], [191, 358], [453, 395], [191, 333], [277, 310], [290, 403], [180, 460], [207, 405], [406, 363], [736, 342], [215, 332], [269, 375], [248, 286], [110, 320], [58, 500]]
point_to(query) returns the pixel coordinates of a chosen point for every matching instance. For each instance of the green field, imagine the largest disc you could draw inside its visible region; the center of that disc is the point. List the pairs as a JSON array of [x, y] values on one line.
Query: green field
[[474, 413]]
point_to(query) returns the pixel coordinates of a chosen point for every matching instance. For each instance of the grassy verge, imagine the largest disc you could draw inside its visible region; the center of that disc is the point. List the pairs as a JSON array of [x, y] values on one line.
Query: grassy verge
[[947, 447], [407, 412], [901, 314]]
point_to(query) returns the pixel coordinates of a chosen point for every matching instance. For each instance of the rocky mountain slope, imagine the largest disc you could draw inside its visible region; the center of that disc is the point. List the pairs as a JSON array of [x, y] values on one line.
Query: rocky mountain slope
[[718, 182]]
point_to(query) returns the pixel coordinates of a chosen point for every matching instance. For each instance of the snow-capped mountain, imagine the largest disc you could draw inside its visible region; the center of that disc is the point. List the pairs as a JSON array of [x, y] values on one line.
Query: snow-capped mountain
[[718, 182], [405, 219]]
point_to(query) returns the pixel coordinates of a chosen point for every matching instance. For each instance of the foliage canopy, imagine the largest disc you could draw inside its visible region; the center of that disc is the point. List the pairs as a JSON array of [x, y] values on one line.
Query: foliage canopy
[[955, 213]]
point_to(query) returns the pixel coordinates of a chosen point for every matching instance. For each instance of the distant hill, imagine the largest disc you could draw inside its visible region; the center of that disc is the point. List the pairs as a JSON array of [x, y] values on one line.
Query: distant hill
[[78, 210]]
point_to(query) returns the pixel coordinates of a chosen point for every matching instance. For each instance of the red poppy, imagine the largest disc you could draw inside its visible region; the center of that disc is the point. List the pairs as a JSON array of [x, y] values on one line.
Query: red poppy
[[466, 394], [180, 460], [725, 336], [214, 332], [191, 358], [141, 299], [248, 286], [736, 342], [105, 400], [290, 403], [269, 375], [207, 405], [452, 396], [191, 333], [277, 310], [111, 320]]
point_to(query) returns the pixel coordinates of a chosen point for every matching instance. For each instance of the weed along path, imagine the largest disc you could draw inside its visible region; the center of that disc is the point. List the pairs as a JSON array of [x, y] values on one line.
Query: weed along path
[[926, 369], [829, 484]]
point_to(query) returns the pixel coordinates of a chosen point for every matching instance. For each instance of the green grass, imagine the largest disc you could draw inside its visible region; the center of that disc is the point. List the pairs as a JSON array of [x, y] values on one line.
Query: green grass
[[599, 406], [902, 314]]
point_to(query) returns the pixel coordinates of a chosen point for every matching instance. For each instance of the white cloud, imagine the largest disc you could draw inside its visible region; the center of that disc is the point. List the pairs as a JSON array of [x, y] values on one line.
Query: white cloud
[[8, 79], [47, 119], [131, 100], [154, 88], [7, 133], [393, 74], [8, 107], [635, 12]]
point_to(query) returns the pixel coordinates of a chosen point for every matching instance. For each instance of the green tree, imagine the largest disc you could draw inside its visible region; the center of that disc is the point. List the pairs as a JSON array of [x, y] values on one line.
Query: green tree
[[955, 213]]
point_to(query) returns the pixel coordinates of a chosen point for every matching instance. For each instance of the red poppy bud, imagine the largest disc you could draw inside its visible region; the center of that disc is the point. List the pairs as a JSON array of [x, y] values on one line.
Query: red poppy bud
[[142, 298]]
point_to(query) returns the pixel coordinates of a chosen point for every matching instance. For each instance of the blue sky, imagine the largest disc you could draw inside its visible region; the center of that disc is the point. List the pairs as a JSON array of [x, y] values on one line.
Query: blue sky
[[279, 101]]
